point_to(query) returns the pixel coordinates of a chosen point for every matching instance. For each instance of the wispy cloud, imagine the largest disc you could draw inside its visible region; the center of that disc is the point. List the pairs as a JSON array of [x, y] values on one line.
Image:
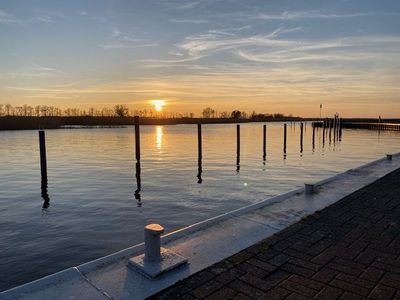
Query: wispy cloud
[[189, 21], [6, 18], [34, 71], [186, 5], [45, 19], [119, 40], [126, 46], [217, 40], [302, 15]]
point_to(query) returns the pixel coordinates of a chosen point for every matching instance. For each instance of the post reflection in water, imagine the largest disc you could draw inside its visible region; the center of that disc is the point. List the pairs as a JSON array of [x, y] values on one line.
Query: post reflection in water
[[138, 184], [45, 195], [199, 171]]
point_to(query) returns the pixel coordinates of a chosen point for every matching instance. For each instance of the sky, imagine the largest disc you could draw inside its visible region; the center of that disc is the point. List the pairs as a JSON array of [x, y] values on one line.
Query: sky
[[284, 56]]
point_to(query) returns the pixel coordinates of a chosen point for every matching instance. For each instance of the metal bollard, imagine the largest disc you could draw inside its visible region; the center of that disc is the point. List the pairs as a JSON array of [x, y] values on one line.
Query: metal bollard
[[155, 260], [152, 245], [309, 188]]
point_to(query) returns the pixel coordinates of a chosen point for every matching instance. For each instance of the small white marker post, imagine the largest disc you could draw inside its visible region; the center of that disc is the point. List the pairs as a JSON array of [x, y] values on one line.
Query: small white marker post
[[389, 156], [155, 260], [309, 188]]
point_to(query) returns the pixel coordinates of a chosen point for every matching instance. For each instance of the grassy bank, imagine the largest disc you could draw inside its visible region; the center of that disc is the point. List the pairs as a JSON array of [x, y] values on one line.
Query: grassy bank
[[24, 123]]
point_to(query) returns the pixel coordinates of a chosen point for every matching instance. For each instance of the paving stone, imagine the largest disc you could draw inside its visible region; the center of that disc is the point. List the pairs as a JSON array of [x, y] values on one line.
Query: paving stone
[[229, 275], [329, 293], [325, 275], [296, 296], [249, 268], [277, 293], [298, 288], [206, 289], [306, 282], [356, 280], [262, 284], [222, 294], [297, 270], [245, 288], [381, 292], [349, 287], [391, 279], [198, 279]]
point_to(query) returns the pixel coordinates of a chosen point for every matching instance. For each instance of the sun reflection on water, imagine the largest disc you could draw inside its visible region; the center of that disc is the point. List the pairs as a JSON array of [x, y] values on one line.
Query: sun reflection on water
[[159, 137]]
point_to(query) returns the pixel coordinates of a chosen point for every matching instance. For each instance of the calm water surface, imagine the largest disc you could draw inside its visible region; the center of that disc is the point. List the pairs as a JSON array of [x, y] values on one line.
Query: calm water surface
[[93, 209]]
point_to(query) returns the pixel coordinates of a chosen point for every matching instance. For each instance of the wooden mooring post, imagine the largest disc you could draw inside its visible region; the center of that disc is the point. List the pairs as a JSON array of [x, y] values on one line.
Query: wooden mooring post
[[334, 129], [200, 154], [43, 158], [137, 137], [199, 142], [301, 137], [284, 137], [237, 147], [264, 142], [313, 136]]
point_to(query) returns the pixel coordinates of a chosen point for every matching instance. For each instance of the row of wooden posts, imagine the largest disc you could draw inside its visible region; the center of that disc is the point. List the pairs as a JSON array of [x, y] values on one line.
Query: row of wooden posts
[[329, 126]]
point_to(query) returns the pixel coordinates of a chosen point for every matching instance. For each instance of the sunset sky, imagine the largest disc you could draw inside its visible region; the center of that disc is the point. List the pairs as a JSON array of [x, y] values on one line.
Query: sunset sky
[[283, 56]]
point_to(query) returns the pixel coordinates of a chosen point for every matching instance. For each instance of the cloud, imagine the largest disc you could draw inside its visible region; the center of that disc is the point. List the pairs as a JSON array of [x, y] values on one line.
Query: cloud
[[126, 46], [34, 71], [217, 41], [6, 18], [303, 15], [45, 19], [119, 40], [189, 21], [184, 6]]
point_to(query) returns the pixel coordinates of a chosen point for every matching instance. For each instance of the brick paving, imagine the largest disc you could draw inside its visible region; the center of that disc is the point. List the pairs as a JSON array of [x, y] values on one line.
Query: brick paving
[[349, 250]]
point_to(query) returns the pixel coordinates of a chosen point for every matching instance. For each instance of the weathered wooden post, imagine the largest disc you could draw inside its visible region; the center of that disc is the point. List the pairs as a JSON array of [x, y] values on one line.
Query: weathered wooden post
[[237, 147], [264, 142], [199, 142], [301, 137], [330, 131], [313, 136], [334, 129], [284, 137], [137, 138], [43, 159], [200, 154]]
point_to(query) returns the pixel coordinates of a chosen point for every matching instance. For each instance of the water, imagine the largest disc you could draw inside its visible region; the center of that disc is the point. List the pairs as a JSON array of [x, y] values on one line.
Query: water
[[93, 210]]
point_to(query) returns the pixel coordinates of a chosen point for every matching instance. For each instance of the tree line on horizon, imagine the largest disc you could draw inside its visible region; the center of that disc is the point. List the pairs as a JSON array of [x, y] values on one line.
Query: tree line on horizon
[[122, 111]]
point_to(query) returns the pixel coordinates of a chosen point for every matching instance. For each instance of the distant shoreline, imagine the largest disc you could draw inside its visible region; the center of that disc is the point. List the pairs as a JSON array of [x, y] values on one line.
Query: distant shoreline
[[34, 123]]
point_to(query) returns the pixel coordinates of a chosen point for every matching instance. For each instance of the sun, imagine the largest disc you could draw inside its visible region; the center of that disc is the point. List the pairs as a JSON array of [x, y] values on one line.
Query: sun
[[158, 104]]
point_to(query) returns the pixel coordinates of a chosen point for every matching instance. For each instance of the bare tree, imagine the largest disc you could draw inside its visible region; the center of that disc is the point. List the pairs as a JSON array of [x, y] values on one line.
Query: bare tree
[[121, 111], [208, 112]]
